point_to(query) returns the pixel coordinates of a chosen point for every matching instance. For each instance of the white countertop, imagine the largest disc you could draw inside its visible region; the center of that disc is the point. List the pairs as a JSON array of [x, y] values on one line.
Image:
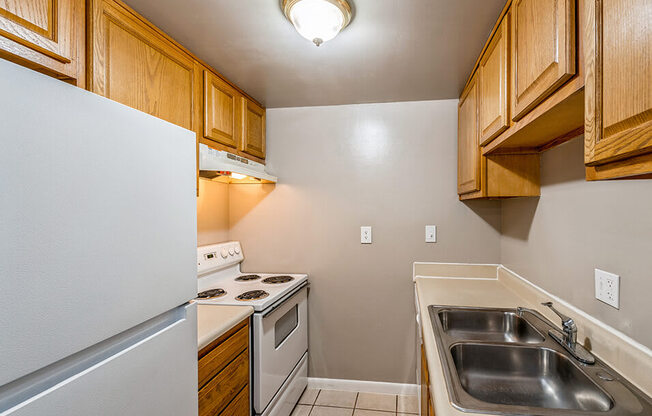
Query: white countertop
[[215, 320]]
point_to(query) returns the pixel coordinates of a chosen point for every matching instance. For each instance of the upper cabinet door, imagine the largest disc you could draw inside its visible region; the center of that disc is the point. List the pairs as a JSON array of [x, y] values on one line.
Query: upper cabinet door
[[253, 129], [494, 85], [468, 163], [136, 65], [46, 35], [221, 111], [543, 50], [618, 90]]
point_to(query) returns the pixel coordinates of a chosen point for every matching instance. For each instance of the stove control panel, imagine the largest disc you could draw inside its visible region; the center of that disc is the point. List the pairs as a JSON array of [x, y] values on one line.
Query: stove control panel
[[218, 256]]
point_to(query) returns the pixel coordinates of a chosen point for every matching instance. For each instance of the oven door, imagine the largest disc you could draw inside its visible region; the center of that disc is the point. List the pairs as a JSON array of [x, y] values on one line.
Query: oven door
[[280, 339]]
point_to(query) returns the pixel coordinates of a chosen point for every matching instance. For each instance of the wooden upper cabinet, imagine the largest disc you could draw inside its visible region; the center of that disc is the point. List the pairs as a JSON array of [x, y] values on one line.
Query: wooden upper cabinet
[[133, 63], [493, 73], [543, 50], [253, 129], [222, 111], [45, 35], [468, 161], [618, 92]]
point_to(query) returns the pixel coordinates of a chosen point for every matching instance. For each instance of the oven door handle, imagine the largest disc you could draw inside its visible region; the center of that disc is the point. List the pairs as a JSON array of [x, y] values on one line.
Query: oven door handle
[[283, 300]]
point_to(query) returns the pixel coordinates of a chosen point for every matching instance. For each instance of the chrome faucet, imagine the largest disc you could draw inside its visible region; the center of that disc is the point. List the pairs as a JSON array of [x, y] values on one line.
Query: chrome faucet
[[569, 338], [567, 325]]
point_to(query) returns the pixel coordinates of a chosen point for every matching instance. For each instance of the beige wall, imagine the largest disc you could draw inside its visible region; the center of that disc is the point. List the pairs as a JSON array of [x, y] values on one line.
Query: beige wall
[[391, 166], [557, 240], [212, 212]]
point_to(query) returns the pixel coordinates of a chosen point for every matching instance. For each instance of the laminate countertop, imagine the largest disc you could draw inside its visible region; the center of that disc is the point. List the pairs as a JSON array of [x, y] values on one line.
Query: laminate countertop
[[215, 320], [496, 286]]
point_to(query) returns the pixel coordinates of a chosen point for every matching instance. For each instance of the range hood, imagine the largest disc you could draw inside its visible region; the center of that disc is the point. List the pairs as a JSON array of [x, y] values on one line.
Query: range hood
[[230, 168]]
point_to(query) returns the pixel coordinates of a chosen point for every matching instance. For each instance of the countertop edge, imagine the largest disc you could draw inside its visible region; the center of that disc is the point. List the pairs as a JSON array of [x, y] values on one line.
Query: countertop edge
[[214, 321]]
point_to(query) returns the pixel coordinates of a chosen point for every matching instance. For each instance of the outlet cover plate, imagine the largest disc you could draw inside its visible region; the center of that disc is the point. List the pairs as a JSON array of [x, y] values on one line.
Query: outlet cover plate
[[607, 288], [365, 235]]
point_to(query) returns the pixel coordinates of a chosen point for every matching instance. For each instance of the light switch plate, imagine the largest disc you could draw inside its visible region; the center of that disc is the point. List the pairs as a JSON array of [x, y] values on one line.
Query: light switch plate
[[365, 235], [431, 233], [607, 288]]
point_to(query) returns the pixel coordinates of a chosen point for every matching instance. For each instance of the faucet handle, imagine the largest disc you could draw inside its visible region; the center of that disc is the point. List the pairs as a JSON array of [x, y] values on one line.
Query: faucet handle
[[563, 317]]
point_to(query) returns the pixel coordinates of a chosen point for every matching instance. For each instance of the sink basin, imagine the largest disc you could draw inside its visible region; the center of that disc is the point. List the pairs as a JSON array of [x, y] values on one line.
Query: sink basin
[[526, 376], [488, 325], [499, 361]]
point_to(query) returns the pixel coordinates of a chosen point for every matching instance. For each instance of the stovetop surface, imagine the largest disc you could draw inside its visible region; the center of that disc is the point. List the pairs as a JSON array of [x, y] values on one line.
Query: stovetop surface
[[235, 288]]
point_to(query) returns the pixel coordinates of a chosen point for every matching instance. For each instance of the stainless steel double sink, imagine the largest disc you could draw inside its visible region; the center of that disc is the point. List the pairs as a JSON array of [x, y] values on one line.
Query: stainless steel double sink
[[502, 361]]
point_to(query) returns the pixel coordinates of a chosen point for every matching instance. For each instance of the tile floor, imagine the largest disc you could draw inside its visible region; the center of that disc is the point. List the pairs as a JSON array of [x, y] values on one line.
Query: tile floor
[[315, 402]]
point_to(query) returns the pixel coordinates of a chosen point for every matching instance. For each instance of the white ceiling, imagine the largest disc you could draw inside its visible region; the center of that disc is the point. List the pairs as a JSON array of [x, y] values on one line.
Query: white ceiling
[[393, 50]]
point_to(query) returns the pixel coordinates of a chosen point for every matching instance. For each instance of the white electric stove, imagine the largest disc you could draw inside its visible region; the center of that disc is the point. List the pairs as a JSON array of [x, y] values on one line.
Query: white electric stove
[[279, 324]]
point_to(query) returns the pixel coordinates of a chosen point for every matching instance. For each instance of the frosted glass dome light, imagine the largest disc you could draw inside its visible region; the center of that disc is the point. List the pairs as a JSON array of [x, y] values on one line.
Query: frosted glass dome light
[[318, 20]]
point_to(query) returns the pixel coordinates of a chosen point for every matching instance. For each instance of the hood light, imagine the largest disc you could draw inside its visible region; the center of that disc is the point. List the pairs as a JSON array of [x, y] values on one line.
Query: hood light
[[237, 175], [318, 20]]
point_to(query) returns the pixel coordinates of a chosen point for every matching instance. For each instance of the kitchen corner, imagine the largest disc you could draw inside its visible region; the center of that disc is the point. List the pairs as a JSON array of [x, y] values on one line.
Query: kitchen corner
[[494, 286]]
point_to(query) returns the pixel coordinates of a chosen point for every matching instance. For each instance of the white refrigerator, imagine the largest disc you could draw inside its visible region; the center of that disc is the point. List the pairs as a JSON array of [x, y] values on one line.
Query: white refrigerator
[[97, 255]]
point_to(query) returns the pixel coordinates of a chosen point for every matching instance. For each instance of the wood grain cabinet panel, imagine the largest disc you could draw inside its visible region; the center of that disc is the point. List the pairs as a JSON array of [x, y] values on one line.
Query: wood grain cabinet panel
[[494, 176], [46, 35], [618, 106], [253, 129], [240, 405], [468, 161], [219, 392], [543, 50], [215, 361], [222, 111], [136, 65], [224, 374], [494, 85]]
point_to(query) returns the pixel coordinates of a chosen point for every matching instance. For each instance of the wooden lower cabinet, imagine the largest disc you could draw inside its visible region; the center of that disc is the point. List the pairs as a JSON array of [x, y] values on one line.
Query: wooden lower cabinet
[[224, 374], [45, 35], [426, 404], [618, 89], [240, 406]]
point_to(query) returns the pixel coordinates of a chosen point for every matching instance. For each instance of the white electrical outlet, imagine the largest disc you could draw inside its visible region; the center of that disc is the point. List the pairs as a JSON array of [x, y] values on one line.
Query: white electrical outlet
[[431, 233], [607, 288], [365, 235]]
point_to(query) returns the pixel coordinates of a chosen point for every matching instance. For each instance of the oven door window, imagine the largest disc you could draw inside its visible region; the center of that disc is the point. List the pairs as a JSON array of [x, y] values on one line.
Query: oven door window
[[285, 325]]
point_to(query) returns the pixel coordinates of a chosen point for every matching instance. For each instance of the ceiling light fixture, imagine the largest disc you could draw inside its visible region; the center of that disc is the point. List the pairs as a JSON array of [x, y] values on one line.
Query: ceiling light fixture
[[318, 20]]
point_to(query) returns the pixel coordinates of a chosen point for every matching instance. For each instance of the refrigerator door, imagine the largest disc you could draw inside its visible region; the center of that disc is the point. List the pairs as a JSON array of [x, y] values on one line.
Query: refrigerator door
[[154, 374], [97, 218]]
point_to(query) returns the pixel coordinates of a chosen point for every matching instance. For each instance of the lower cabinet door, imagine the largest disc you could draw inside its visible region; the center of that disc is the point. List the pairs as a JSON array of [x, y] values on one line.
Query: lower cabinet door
[[216, 395], [240, 406]]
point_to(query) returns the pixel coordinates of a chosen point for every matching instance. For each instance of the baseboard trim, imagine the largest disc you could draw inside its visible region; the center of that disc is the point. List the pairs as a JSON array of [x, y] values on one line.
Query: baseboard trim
[[360, 385]]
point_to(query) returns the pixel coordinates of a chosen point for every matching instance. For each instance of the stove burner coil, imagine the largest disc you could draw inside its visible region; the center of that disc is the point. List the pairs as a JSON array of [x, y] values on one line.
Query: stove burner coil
[[247, 278], [211, 294], [252, 295], [278, 279]]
